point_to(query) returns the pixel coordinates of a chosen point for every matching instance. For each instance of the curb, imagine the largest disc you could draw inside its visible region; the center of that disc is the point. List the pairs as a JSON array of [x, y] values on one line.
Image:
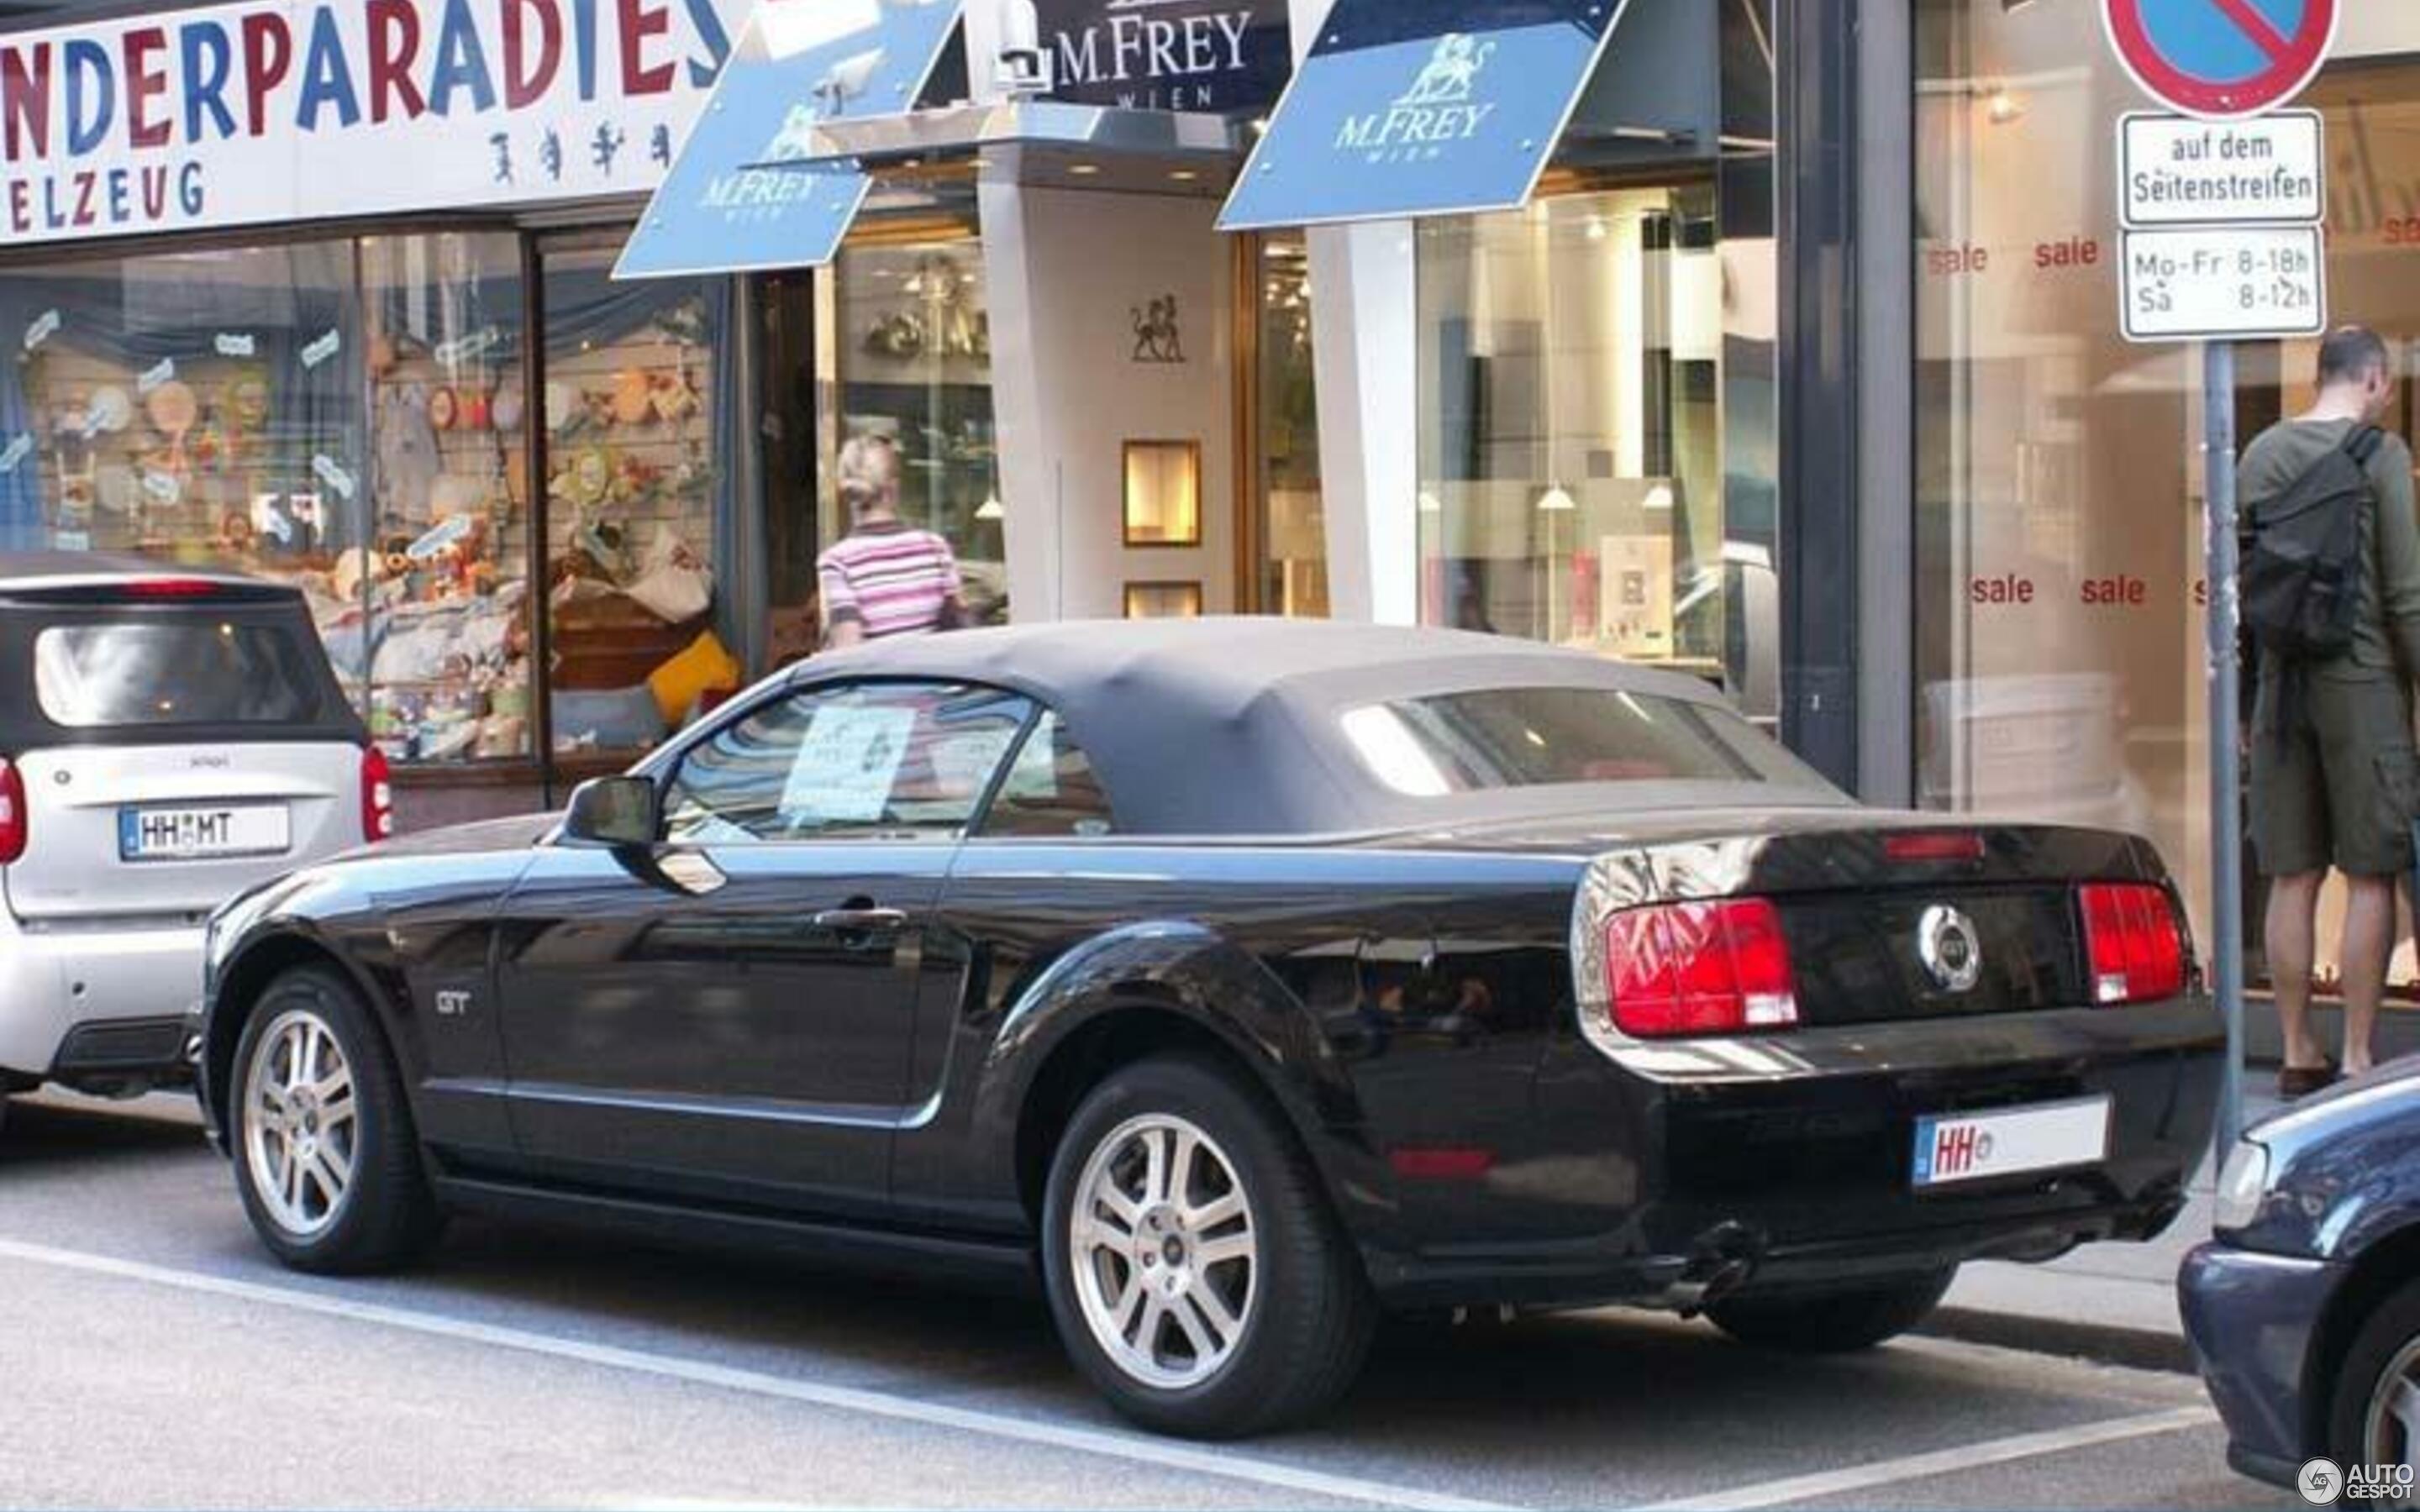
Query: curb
[[2137, 1349]]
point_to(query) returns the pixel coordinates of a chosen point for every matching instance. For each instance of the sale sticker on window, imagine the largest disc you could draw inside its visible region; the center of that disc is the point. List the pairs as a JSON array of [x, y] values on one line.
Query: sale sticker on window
[[846, 766]]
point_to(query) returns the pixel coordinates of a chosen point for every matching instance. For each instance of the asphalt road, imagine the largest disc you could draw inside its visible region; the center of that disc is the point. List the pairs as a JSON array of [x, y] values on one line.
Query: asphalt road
[[152, 1355]]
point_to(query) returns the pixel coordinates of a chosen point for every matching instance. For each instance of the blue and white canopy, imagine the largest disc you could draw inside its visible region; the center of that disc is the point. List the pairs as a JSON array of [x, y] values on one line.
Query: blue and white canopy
[[748, 191], [1422, 107]]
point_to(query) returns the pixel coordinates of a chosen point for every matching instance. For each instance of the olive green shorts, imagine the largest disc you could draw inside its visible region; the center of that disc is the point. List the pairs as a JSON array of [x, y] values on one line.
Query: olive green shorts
[[2339, 786]]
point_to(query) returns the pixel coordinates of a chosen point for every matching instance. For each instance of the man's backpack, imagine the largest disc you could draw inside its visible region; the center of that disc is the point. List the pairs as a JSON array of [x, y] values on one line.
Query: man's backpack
[[2302, 555]]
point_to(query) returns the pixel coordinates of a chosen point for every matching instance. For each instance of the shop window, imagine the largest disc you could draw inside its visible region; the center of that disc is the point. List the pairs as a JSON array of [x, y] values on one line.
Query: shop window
[[1293, 532], [201, 408], [1164, 600], [2059, 594], [630, 407], [1163, 493], [441, 588], [907, 359], [1572, 443]]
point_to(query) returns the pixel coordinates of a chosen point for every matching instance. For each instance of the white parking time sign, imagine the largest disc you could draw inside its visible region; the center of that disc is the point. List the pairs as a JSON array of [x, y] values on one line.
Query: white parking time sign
[[2224, 282]]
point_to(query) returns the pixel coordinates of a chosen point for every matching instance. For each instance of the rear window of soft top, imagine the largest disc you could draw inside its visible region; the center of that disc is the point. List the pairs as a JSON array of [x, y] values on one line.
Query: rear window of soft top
[[185, 668], [1518, 737]]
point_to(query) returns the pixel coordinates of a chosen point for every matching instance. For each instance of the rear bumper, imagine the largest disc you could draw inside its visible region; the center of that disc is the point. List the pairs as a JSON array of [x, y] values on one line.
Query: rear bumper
[[1689, 1172], [2250, 1317], [106, 1001]]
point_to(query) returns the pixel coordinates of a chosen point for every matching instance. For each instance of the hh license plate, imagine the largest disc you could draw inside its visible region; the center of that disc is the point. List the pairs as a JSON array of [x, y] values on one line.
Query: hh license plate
[[203, 832], [2041, 1137]]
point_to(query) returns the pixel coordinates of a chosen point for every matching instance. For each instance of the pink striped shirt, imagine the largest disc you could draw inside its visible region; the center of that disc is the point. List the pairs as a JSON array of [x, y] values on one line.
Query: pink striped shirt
[[890, 578]]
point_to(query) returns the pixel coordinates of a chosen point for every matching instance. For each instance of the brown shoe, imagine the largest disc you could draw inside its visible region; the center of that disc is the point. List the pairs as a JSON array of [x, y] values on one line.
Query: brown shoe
[[2302, 1081]]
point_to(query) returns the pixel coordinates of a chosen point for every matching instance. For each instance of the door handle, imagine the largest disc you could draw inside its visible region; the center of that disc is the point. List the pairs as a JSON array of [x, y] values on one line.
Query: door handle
[[862, 921]]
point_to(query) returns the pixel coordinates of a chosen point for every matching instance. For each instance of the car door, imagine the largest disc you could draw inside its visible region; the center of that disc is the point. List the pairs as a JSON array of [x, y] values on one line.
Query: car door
[[728, 1015]]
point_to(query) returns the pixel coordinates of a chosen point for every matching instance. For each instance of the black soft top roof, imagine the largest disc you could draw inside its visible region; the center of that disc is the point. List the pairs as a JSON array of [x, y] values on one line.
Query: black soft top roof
[[1229, 726]]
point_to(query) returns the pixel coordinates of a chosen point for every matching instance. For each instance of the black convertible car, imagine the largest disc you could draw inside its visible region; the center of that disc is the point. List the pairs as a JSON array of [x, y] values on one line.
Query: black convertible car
[[1250, 977]]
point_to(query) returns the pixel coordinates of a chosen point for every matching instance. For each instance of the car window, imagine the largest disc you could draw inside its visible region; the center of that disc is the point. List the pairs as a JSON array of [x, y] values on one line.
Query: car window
[[904, 759], [1518, 737], [200, 668], [1050, 789]]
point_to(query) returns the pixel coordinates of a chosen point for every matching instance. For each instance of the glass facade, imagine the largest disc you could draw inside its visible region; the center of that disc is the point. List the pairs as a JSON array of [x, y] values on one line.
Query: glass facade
[[908, 358], [1597, 403], [352, 416], [2058, 490]]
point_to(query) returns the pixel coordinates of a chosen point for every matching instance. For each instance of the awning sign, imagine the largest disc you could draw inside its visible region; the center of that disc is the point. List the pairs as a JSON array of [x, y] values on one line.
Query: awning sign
[[1422, 107], [729, 204]]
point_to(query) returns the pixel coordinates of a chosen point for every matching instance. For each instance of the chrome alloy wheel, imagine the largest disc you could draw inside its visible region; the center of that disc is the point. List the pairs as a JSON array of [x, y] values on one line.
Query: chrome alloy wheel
[[299, 1129], [1164, 1249], [2392, 1429]]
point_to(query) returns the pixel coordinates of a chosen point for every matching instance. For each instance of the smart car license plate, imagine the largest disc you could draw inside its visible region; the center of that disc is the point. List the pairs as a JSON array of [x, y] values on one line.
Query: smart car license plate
[[2041, 1137], [203, 832]]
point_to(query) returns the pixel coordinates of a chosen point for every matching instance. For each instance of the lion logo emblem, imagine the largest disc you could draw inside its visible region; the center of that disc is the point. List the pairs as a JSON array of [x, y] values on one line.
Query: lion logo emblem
[[1452, 71]]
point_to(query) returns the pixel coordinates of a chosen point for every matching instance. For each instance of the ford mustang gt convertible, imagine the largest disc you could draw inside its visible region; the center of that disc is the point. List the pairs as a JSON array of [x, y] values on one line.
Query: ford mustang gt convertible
[[1243, 980]]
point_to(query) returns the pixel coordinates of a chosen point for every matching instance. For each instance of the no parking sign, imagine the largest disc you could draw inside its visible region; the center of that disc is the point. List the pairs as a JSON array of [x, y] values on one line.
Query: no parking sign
[[2221, 59]]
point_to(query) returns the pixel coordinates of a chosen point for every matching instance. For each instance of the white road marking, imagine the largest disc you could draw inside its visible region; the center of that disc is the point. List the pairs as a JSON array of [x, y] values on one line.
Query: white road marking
[[1157, 1453], [1940, 1462]]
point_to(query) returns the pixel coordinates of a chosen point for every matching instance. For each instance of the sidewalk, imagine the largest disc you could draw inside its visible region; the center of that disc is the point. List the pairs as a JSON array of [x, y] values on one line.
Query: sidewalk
[[2115, 1303]]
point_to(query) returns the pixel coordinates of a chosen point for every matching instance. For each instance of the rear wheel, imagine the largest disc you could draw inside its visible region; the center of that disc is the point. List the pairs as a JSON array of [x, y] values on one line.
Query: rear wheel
[[1195, 1273], [1833, 1321], [325, 1153], [2374, 1416]]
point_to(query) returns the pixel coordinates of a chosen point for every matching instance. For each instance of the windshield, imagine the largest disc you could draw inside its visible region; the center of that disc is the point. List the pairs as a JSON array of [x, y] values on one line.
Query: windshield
[[1539, 736], [204, 668]]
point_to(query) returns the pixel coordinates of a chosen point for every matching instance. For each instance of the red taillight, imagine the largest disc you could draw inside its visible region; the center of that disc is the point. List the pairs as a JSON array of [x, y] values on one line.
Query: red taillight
[[12, 812], [378, 796], [1699, 969], [1934, 845], [2133, 941], [170, 588]]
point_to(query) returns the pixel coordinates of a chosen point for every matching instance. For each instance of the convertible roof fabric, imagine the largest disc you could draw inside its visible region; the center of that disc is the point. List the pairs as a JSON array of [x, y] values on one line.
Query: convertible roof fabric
[[1230, 726]]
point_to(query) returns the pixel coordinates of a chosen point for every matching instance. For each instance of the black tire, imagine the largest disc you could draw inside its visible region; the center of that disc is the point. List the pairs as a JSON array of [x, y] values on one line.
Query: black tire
[[2391, 1328], [1833, 1321], [387, 1215], [1305, 1329]]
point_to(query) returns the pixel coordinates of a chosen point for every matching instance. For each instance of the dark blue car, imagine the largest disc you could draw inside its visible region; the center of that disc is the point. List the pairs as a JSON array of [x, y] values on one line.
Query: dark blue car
[[2304, 1309]]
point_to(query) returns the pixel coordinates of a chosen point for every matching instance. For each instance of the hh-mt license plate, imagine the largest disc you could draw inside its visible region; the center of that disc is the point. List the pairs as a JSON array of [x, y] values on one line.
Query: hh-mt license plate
[[203, 832], [2041, 1136]]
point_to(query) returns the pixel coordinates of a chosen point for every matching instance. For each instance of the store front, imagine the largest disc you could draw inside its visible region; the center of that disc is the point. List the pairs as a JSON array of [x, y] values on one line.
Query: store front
[[372, 300], [2058, 596], [241, 337]]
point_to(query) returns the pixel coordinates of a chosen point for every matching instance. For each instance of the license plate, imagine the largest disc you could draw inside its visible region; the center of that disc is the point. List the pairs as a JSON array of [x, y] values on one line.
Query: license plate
[[203, 832], [2043, 1136]]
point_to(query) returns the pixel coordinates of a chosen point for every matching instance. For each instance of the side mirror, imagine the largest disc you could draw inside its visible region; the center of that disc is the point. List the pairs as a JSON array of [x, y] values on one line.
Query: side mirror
[[614, 811]]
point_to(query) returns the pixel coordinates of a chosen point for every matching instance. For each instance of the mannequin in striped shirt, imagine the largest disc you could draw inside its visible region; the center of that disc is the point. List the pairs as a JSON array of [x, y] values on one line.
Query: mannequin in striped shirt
[[885, 578]]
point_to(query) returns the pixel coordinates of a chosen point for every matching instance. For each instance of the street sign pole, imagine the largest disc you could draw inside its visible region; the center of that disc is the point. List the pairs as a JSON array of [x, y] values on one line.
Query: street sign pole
[[2226, 690]]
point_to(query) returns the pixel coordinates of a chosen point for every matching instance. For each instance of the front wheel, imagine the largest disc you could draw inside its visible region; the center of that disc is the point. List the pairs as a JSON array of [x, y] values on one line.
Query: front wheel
[[1194, 1270], [1833, 1321], [325, 1154], [2375, 1415]]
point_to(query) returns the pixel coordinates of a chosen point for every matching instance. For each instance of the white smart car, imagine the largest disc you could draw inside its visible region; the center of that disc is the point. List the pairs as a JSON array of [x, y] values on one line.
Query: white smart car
[[167, 739]]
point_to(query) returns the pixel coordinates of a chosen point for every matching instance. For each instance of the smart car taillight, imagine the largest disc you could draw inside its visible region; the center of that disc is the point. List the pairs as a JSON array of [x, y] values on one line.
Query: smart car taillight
[[2133, 942], [1714, 967], [378, 796], [13, 811]]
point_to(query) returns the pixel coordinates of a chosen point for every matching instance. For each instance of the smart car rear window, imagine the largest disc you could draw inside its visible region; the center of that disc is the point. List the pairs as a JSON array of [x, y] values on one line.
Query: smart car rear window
[[1521, 737], [199, 669]]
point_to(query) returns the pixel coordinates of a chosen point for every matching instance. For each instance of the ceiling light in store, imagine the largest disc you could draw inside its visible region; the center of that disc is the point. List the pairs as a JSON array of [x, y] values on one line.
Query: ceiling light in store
[[1083, 170], [2004, 105], [1597, 231], [1659, 497], [1430, 504], [1183, 175], [991, 508], [1557, 499]]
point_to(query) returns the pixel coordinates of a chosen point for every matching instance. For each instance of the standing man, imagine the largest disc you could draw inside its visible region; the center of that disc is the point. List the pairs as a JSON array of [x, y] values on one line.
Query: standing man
[[2334, 778], [884, 577]]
